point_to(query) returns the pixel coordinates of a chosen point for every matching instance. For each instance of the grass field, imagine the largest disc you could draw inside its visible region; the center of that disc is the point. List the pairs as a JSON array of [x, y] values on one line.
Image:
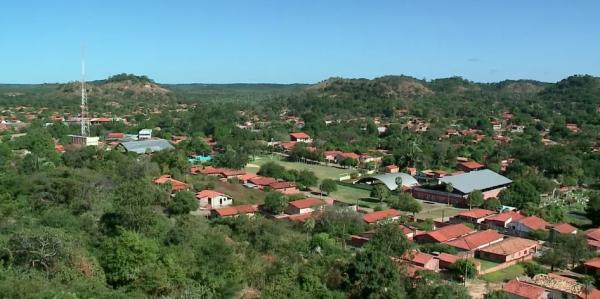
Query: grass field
[[322, 172], [351, 195], [486, 264], [509, 273], [436, 210]]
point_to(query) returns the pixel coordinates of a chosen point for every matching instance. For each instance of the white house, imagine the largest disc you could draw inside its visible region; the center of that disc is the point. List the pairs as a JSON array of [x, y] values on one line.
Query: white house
[[210, 199]]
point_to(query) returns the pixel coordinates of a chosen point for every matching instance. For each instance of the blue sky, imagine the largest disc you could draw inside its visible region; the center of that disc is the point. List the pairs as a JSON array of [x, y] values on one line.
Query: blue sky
[[287, 41]]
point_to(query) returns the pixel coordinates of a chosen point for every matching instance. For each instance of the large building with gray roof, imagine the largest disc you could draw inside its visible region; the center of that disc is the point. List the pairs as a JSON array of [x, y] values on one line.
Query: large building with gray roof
[[486, 181]]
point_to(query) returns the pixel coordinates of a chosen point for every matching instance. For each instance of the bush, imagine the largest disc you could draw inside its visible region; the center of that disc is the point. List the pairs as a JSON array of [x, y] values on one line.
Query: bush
[[533, 268]]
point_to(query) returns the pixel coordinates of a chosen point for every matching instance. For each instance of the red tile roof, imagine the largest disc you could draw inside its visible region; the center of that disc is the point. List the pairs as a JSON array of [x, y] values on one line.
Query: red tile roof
[[282, 185], [380, 215], [476, 213], [418, 258], [235, 210], [564, 228], [299, 135], [350, 155], [448, 258], [534, 223], [231, 172], [301, 217], [593, 263], [472, 165], [210, 170], [510, 246], [503, 217], [593, 234], [593, 243], [288, 145], [523, 290], [450, 232], [175, 184], [226, 211], [262, 181], [476, 240], [247, 176], [208, 193], [306, 203], [115, 135]]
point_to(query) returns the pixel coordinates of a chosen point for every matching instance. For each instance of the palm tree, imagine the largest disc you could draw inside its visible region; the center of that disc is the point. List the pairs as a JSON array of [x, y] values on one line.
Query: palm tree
[[449, 189], [399, 183]]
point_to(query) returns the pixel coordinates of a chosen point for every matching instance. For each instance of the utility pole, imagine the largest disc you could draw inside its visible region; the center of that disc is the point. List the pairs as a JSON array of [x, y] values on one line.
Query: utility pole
[[85, 129]]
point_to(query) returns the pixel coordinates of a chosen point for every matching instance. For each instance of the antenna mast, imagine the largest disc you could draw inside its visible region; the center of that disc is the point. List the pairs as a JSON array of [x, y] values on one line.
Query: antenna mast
[[85, 128]]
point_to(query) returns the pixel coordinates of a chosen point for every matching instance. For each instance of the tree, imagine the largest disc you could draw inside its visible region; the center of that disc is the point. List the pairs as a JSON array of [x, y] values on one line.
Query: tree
[[519, 194], [449, 188], [339, 222], [492, 204], [272, 169], [372, 275], [124, 257], [553, 258], [475, 199], [405, 202], [183, 203], [398, 182], [464, 268], [593, 207], [349, 162], [275, 203], [496, 294], [532, 268], [306, 178], [389, 240], [574, 247], [328, 186], [380, 192]]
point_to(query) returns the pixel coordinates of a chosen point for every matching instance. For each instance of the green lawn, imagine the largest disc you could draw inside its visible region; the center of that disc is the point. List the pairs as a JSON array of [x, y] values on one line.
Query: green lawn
[[322, 172], [486, 264], [505, 274], [351, 195], [437, 210]]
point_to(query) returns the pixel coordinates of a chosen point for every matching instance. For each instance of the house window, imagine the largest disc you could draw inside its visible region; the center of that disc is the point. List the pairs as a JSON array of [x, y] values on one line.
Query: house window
[[221, 201]]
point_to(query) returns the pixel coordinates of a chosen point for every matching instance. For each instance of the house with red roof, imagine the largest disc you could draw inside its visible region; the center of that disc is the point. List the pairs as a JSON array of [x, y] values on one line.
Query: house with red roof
[[563, 229], [115, 136], [511, 249], [211, 199], [287, 146], [234, 211], [176, 185], [300, 137], [302, 206], [475, 216], [468, 244], [362, 238], [422, 260], [520, 290], [500, 221], [592, 266], [331, 156], [446, 260], [211, 171], [526, 225], [262, 182], [287, 188], [444, 234], [381, 216], [246, 177], [593, 238], [469, 166]]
